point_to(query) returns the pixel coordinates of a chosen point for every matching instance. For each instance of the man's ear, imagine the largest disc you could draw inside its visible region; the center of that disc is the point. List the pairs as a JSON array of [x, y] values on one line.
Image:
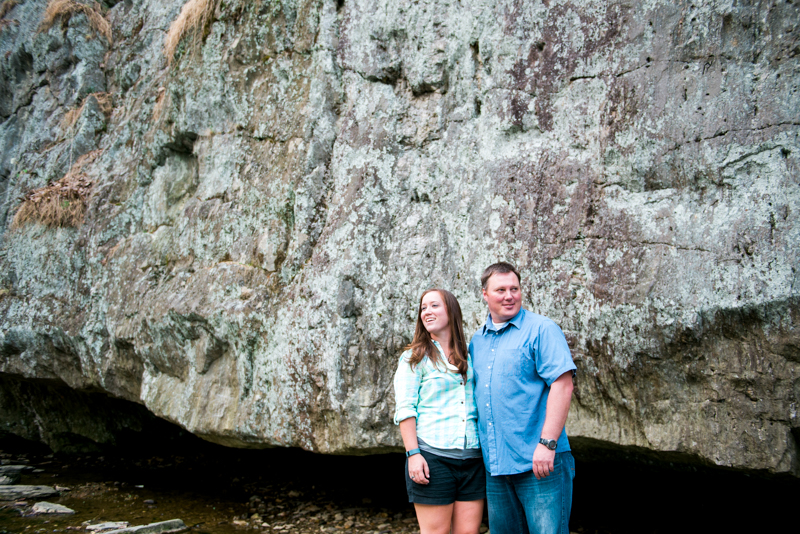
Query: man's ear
[[485, 299]]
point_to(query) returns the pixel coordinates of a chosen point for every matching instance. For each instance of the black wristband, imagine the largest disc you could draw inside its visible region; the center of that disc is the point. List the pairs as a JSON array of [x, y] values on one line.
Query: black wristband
[[549, 443]]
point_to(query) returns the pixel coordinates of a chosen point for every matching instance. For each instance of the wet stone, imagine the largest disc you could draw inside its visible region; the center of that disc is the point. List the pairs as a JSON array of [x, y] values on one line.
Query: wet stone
[[108, 525], [162, 527], [16, 492], [7, 480], [50, 508], [14, 469]]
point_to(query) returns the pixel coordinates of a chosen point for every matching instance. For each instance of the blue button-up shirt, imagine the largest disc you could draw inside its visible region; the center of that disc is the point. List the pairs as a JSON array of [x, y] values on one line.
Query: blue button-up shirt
[[514, 368], [441, 400]]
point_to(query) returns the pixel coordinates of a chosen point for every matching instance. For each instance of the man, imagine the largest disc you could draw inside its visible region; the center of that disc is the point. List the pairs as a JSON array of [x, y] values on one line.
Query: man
[[523, 386]]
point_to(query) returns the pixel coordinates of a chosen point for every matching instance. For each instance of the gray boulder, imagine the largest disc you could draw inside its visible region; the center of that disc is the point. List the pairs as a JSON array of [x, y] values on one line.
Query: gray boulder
[[268, 206]]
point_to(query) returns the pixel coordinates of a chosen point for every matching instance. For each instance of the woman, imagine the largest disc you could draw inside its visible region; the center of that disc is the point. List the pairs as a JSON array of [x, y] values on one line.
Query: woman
[[437, 415]]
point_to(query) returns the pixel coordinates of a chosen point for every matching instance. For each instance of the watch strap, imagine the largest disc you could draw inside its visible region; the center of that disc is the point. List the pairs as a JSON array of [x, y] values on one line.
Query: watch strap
[[549, 443], [412, 452]]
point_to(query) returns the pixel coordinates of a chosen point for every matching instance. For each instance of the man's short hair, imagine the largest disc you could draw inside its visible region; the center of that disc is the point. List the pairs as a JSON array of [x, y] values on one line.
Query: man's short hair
[[498, 268]]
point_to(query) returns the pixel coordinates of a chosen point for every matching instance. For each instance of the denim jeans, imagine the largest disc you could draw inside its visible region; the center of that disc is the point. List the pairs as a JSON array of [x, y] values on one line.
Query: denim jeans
[[521, 503]]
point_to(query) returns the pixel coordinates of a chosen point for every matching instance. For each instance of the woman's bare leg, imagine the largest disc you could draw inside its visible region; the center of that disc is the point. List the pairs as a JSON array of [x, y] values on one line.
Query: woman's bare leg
[[434, 518], [467, 516]]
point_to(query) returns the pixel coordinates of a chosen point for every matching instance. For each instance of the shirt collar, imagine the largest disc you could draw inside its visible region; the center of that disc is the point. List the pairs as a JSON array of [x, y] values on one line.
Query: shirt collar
[[441, 353], [488, 325]]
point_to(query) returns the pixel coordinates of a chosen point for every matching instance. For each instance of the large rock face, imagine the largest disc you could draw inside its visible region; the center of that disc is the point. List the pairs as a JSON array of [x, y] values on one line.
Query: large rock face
[[268, 207]]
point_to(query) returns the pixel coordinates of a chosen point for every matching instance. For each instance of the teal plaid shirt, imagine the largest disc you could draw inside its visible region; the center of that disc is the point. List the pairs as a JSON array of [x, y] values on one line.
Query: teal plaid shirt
[[440, 400]]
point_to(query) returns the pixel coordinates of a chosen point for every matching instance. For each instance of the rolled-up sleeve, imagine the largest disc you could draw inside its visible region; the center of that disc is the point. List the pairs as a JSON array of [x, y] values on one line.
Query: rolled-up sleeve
[[406, 389]]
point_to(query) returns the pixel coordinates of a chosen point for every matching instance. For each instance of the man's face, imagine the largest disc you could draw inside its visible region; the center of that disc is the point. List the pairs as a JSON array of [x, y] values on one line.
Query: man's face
[[503, 296]]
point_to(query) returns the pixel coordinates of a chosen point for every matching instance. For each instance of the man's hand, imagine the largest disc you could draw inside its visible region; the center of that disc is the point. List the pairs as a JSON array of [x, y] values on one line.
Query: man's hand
[[543, 461], [556, 415]]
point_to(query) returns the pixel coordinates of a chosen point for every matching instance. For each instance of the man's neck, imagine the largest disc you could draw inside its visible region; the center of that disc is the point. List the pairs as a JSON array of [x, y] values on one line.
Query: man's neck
[[497, 320]]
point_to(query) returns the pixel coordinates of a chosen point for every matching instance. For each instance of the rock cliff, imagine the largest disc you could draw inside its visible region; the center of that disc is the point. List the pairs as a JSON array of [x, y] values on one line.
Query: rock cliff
[[268, 200]]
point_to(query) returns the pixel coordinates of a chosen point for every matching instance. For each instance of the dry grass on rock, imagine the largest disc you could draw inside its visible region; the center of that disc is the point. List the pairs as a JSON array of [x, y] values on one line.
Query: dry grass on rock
[[64, 9], [7, 6], [61, 203], [71, 116], [193, 20], [162, 101]]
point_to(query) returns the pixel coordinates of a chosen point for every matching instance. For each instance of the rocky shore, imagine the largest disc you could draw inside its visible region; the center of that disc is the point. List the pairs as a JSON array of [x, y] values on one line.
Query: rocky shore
[[148, 490]]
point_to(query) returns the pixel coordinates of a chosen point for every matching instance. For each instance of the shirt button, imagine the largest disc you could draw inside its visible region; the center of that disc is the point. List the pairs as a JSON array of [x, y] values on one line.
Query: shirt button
[[487, 404]]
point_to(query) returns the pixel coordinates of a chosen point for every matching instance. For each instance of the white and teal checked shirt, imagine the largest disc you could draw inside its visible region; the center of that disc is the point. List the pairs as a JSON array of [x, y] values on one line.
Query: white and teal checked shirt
[[440, 400]]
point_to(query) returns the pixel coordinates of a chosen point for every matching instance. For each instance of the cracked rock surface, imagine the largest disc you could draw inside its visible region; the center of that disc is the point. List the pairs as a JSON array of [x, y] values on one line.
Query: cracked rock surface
[[268, 207]]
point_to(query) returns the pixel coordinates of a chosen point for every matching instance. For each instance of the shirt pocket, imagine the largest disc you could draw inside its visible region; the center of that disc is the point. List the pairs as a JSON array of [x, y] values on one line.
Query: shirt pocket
[[515, 363]]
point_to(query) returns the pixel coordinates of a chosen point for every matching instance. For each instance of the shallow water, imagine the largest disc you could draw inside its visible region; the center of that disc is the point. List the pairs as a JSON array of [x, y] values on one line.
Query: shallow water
[[100, 501], [217, 490], [217, 495]]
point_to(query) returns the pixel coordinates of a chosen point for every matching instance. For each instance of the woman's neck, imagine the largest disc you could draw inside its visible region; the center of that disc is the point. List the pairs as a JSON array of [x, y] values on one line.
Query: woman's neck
[[444, 341]]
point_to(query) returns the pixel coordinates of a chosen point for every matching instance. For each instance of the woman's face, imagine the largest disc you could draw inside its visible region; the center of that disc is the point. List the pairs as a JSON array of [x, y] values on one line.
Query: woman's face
[[434, 314]]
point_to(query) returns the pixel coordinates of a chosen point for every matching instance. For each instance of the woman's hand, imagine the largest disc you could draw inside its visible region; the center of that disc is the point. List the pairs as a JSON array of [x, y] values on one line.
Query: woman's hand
[[418, 469], [417, 466]]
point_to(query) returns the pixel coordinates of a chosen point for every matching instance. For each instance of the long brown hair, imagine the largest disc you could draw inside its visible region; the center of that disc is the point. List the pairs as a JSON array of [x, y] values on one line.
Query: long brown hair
[[422, 345]]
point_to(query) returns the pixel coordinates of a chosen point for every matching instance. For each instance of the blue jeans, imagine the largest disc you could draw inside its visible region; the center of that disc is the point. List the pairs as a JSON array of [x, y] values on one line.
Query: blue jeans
[[521, 503]]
